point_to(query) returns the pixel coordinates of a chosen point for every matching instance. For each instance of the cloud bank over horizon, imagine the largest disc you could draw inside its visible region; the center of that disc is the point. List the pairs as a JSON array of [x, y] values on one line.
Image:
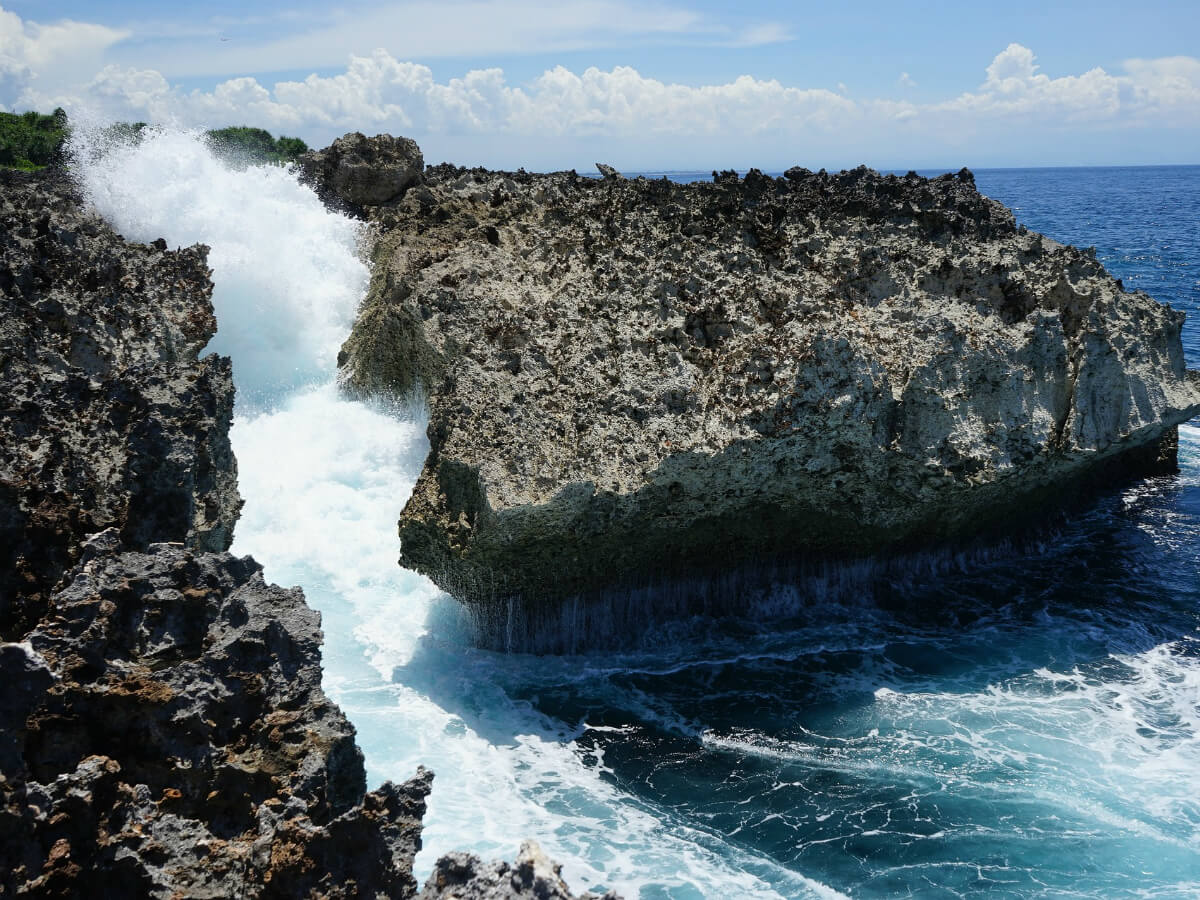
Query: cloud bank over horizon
[[1016, 115]]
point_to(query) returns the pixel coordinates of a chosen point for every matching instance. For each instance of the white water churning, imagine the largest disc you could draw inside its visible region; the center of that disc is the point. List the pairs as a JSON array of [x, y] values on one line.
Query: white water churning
[[324, 480]]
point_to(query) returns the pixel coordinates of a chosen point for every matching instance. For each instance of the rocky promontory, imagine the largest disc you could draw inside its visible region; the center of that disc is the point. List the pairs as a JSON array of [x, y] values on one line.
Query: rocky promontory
[[633, 380], [163, 731]]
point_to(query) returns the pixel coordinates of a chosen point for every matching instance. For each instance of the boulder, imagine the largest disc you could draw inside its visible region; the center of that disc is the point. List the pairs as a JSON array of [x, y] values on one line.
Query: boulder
[[633, 381], [464, 876], [362, 171]]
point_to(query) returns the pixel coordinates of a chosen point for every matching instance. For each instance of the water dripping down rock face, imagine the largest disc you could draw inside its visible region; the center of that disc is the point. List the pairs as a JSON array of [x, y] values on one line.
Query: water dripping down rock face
[[632, 379]]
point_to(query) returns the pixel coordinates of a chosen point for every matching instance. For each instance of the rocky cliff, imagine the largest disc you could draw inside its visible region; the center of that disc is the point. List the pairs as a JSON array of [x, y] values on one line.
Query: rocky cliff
[[633, 380], [163, 731], [108, 418]]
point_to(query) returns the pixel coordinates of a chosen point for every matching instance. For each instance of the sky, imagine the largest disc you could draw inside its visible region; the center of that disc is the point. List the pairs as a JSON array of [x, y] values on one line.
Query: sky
[[640, 84]]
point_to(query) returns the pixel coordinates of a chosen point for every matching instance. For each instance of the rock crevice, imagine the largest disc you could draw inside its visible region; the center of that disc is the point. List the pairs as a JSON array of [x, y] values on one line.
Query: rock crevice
[[163, 731]]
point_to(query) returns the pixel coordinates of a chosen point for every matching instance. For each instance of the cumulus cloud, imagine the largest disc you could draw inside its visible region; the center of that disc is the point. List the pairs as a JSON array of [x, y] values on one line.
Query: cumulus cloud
[[643, 120], [48, 58], [380, 90]]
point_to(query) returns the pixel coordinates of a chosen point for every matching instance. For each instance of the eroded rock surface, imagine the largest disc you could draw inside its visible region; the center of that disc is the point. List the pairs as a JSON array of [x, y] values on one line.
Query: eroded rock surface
[[462, 876], [357, 172], [163, 732], [173, 740], [108, 417], [633, 378]]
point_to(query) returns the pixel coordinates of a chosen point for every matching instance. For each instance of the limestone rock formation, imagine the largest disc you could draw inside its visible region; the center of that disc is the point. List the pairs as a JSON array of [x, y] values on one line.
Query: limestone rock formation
[[108, 418], [358, 171], [633, 379], [174, 740], [462, 876], [163, 732]]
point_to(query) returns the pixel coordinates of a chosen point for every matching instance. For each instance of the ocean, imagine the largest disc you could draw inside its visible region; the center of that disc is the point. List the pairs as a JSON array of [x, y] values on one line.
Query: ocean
[[1018, 721]]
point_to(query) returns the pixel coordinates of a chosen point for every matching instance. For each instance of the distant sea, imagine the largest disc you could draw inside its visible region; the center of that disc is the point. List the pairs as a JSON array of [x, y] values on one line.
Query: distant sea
[[1008, 724]]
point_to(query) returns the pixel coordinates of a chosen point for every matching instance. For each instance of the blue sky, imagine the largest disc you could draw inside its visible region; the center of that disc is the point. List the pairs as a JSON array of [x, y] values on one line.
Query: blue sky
[[645, 84]]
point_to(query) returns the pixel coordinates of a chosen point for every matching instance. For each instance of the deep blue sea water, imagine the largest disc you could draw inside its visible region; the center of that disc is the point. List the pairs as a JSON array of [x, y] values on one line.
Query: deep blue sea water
[[1025, 724], [1007, 723]]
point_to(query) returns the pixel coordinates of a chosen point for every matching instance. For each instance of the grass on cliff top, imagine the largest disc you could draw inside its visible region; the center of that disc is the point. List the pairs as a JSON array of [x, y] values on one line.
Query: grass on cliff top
[[31, 140]]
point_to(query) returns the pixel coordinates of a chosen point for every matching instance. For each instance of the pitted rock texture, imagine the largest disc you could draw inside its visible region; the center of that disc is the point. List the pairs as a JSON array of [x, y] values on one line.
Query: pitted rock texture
[[356, 171], [171, 738], [163, 732], [108, 417], [630, 378], [462, 876]]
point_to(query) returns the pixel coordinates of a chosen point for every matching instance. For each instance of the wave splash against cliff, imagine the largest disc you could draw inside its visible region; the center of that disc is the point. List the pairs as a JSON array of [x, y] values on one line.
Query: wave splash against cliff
[[324, 480]]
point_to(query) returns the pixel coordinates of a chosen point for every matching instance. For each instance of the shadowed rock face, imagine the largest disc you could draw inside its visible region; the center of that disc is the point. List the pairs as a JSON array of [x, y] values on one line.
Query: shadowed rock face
[[631, 379], [173, 740], [108, 418], [357, 172]]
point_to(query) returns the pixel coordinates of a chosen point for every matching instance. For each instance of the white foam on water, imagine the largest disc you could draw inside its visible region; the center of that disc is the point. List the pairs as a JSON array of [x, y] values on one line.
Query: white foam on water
[[324, 480], [289, 277]]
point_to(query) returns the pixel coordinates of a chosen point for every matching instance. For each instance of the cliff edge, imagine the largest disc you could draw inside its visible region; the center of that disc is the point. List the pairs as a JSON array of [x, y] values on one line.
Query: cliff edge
[[632, 379]]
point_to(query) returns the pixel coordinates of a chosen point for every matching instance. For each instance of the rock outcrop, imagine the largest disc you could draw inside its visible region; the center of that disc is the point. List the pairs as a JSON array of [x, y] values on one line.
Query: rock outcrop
[[356, 172], [108, 417], [163, 731], [462, 876], [632, 379], [174, 740]]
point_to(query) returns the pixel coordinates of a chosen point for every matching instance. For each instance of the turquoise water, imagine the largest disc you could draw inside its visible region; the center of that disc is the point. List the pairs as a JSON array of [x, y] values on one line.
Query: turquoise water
[[1009, 723]]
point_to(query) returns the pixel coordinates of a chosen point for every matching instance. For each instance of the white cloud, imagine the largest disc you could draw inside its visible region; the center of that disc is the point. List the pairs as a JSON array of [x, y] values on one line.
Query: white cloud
[[48, 57], [766, 33], [1149, 90], [636, 120], [382, 91], [906, 80]]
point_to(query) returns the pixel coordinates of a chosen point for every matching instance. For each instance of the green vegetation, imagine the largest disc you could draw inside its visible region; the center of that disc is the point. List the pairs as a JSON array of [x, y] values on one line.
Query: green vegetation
[[31, 140], [254, 145]]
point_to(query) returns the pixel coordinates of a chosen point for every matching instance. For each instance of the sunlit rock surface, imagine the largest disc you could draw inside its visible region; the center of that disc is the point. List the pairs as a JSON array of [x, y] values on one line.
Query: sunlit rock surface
[[632, 379]]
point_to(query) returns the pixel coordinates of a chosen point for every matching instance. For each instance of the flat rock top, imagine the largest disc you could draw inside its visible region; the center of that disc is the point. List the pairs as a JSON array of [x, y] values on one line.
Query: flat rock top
[[588, 330]]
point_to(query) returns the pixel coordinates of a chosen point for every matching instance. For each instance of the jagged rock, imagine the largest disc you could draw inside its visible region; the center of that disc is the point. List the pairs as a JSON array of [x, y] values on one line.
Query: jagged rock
[[107, 415], [362, 171], [635, 379], [463, 876], [183, 745], [163, 732]]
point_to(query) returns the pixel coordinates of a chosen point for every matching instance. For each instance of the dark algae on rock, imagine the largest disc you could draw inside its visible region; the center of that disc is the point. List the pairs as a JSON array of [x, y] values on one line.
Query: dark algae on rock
[[163, 730], [633, 379]]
